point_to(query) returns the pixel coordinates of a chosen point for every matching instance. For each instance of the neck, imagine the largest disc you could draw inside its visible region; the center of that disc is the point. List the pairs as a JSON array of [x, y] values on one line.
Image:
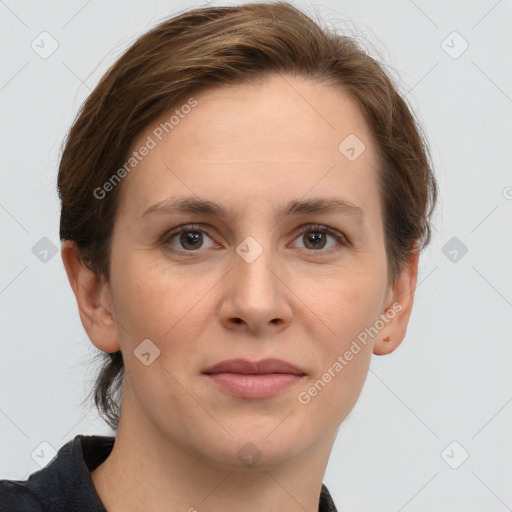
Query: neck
[[152, 472]]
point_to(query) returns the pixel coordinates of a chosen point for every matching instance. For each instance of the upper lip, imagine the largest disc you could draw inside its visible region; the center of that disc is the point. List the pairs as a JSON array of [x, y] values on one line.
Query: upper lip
[[257, 367]]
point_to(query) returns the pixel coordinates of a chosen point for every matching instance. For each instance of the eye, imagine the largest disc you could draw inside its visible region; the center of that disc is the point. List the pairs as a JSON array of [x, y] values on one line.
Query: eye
[[189, 238], [317, 238]]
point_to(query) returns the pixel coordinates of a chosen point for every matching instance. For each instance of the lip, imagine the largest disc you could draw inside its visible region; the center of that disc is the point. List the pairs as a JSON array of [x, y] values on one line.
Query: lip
[[259, 379], [246, 367]]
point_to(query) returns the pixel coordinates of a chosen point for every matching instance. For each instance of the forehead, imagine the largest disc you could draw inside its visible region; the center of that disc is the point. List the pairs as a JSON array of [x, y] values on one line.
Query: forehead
[[277, 140]]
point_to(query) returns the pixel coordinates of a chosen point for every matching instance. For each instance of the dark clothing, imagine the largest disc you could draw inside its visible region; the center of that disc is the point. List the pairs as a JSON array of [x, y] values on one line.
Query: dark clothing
[[65, 484]]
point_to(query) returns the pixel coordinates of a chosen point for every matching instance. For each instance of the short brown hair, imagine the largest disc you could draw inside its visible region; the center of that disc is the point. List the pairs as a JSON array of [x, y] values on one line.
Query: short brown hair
[[209, 46]]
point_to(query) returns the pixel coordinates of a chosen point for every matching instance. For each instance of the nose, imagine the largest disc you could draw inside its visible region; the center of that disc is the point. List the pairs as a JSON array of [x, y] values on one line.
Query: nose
[[256, 297]]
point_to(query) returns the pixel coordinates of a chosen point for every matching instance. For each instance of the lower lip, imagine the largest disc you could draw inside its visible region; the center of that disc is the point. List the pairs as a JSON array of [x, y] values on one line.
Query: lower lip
[[255, 385]]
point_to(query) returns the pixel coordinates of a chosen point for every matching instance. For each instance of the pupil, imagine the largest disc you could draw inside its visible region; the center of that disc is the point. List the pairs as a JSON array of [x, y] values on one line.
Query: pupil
[[191, 238], [313, 239]]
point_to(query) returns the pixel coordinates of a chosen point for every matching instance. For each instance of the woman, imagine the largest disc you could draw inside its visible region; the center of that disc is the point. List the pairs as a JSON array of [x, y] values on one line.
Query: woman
[[244, 199]]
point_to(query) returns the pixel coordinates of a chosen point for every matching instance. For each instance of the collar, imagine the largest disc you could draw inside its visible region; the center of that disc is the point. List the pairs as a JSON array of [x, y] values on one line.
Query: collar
[[66, 480]]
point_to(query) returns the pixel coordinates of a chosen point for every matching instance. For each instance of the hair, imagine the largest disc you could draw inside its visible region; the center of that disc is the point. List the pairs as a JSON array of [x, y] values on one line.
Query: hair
[[213, 46]]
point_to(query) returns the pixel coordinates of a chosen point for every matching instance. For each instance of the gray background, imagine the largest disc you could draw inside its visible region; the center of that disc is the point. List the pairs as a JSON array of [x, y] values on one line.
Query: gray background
[[450, 379]]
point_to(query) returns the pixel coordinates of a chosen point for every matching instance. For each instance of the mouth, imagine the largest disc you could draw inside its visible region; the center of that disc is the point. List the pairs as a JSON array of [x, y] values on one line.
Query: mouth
[[260, 379]]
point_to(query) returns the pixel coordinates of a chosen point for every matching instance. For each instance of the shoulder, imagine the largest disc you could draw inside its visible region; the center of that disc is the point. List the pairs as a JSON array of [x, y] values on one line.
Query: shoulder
[[15, 496], [326, 502], [64, 482]]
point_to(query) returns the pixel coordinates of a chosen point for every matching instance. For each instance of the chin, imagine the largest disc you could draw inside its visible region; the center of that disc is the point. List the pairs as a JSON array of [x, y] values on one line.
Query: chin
[[254, 448]]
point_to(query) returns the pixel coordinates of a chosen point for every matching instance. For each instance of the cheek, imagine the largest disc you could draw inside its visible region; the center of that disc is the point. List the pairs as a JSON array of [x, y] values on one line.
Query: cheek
[[346, 303], [160, 303], [156, 305], [343, 359], [329, 399], [147, 300], [360, 306], [348, 310]]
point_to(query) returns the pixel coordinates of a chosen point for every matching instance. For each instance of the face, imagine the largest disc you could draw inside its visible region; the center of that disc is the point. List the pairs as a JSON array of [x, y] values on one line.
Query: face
[[255, 279]]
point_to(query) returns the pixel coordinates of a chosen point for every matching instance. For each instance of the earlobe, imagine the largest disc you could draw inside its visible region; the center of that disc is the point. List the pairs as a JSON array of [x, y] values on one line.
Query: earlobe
[[93, 298], [384, 346], [398, 307]]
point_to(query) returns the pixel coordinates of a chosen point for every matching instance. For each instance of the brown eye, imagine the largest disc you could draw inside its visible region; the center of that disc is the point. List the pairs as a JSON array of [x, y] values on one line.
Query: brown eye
[[188, 238], [191, 239], [316, 238]]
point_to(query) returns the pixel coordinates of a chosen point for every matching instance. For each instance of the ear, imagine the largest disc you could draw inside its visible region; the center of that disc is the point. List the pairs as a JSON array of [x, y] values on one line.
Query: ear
[[397, 307], [94, 299]]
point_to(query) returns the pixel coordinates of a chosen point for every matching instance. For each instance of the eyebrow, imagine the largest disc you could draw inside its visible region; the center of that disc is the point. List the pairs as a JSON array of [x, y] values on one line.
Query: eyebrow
[[195, 205]]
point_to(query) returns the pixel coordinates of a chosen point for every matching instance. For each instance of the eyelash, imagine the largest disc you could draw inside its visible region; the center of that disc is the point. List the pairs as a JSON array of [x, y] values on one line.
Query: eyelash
[[314, 228]]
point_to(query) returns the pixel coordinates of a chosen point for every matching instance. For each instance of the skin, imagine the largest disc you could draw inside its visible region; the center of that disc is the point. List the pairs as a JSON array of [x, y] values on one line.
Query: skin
[[251, 148]]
